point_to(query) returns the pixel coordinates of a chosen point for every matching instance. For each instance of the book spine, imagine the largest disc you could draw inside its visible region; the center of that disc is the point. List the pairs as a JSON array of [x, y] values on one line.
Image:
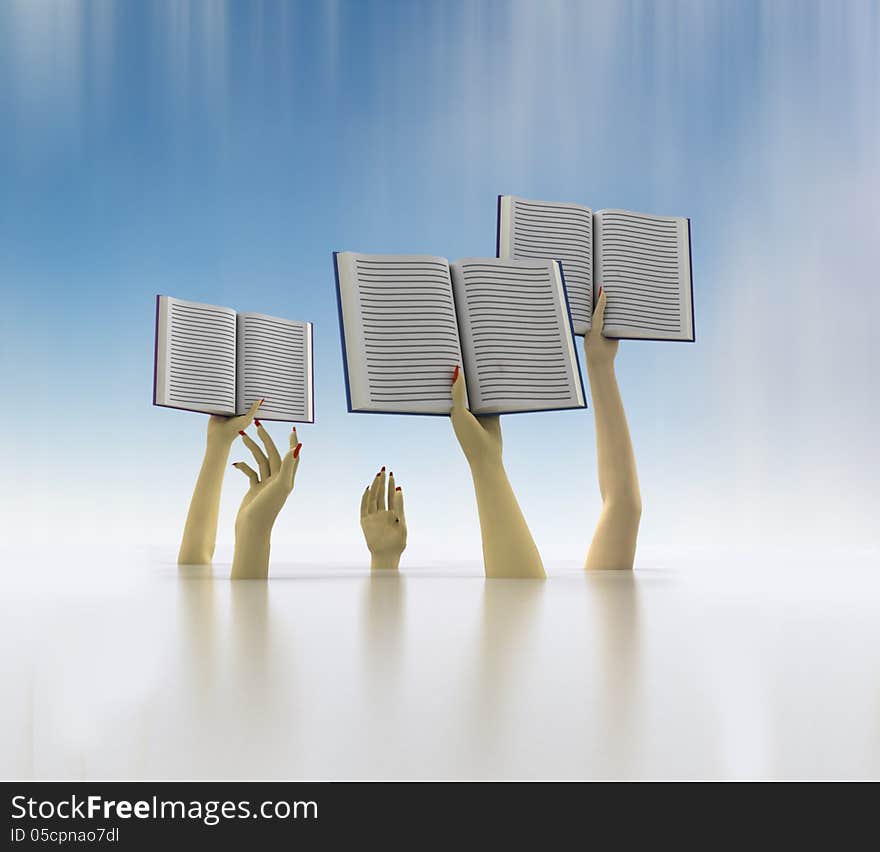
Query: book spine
[[342, 331], [156, 354], [312, 366], [691, 282], [577, 360]]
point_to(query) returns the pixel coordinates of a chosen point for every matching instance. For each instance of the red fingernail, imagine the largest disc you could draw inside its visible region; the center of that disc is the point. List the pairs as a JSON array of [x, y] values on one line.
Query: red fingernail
[[398, 488], [455, 374], [383, 469], [262, 400], [600, 291], [241, 432], [296, 451], [392, 473], [257, 422]]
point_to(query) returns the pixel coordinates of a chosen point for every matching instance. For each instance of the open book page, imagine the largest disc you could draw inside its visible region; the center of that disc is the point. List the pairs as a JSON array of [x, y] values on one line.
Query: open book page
[[195, 356], [517, 337], [400, 334], [275, 364], [552, 231], [643, 264]]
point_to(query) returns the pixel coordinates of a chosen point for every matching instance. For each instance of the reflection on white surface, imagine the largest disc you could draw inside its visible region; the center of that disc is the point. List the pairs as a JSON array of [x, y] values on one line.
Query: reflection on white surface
[[320, 674]]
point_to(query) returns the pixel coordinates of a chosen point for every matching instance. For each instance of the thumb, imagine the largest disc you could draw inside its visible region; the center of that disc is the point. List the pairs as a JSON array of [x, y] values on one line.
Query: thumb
[[251, 413], [289, 466], [599, 312], [459, 391], [492, 424]]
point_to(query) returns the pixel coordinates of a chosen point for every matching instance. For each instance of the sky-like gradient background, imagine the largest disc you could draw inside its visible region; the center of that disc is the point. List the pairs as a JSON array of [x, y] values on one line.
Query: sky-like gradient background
[[221, 151]]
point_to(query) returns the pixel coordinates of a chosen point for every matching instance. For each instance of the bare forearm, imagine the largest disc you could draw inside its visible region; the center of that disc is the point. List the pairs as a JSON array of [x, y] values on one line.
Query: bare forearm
[[618, 477], [508, 547], [384, 562], [614, 542], [200, 531], [251, 559]]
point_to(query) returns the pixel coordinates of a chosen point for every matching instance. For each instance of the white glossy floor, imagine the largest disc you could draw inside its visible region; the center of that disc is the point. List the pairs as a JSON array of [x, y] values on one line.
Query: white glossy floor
[[768, 671]]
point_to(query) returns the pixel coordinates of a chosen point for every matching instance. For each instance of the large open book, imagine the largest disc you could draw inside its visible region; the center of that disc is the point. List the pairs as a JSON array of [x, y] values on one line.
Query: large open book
[[219, 361], [643, 263], [408, 320]]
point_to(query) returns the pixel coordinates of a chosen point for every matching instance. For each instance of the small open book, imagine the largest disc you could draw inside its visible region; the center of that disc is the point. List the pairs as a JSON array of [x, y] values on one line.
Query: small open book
[[408, 320], [642, 262], [218, 361]]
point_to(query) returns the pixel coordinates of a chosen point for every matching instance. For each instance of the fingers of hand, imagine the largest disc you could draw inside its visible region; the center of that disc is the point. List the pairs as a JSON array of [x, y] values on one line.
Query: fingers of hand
[[271, 450], [599, 312], [287, 473], [398, 505], [294, 468], [459, 391], [295, 444], [248, 471], [261, 459], [380, 492], [378, 481], [465, 425], [252, 411]]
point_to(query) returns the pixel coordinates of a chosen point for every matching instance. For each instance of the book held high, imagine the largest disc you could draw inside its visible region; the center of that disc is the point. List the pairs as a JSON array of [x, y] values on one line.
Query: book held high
[[408, 320], [219, 361], [642, 262]]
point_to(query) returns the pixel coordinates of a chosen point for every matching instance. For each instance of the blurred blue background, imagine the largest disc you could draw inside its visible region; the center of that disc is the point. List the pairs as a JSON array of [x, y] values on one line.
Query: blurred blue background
[[221, 151]]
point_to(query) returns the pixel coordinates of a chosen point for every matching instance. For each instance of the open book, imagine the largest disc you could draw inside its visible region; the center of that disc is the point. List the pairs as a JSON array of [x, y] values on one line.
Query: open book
[[218, 361], [642, 262], [408, 320]]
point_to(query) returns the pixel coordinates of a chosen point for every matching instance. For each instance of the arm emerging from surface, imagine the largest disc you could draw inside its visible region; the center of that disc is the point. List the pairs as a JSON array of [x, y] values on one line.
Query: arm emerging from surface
[[614, 541], [200, 531], [508, 547], [384, 528], [268, 492]]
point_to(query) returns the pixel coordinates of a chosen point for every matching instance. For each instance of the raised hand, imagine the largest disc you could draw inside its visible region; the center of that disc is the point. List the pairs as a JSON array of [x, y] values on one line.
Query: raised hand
[[479, 437], [269, 490], [614, 542], [600, 350], [227, 428], [383, 522], [508, 547], [200, 530]]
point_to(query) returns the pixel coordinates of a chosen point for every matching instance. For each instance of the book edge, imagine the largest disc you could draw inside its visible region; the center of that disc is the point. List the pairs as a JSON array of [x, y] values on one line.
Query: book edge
[[342, 332], [156, 352], [577, 360]]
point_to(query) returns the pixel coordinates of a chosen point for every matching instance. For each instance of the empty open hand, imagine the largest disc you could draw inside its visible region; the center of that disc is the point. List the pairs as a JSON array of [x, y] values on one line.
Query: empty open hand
[[263, 501], [383, 522]]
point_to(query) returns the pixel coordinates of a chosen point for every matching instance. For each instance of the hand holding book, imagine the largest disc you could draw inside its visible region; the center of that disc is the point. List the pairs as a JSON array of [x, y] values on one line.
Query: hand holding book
[[200, 530], [225, 430], [408, 320], [213, 359], [614, 541], [600, 350], [509, 550], [643, 262], [479, 437]]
